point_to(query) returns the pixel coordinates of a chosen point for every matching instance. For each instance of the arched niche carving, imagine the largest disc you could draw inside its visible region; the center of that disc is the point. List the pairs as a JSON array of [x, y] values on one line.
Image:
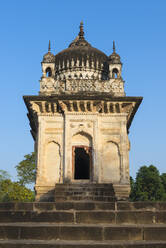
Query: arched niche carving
[[115, 73], [52, 161], [82, 138], [48, 72], [111, 162]]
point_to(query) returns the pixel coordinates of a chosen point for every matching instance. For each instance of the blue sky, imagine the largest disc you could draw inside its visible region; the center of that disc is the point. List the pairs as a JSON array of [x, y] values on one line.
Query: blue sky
[[139, 30]]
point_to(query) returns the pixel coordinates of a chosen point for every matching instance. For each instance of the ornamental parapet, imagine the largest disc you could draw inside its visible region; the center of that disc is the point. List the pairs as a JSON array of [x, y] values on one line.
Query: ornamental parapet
[[49, 86]]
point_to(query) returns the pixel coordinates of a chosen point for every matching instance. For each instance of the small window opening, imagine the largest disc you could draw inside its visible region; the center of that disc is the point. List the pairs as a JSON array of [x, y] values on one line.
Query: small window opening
[[48, 72], [82, 163], [115, 73]]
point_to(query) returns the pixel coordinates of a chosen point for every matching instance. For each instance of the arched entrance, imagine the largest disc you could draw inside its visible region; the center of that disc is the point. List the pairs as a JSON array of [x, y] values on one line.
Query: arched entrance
[[82, 162]]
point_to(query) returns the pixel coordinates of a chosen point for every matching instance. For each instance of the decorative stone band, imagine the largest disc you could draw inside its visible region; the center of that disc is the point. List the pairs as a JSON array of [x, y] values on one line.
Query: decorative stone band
[[84, 104], [49, 86], [81, 106]]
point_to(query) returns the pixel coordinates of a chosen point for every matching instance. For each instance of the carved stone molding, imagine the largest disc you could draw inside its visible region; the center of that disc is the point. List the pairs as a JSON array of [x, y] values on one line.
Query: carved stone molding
[[52, 86], [83, 106]]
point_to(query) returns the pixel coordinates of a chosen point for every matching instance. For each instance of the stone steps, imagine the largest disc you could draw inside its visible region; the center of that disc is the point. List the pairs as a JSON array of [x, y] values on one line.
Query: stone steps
[[84, 185], [84, 192], [84, 198], [100, 232], [85, 216], [88, 205], [80, 244], [51, 206], [92, 224]]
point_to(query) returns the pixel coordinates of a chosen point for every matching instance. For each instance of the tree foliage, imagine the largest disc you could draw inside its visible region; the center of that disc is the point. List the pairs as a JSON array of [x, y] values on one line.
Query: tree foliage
[[26, 169], [4, 175], [17, 191], [13, 191], [148, 185], [163, 180], [132, 183]]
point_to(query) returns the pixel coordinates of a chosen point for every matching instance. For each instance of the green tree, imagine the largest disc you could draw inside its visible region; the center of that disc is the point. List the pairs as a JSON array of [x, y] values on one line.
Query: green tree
[[13, 191], [132, 184], [148, 185], [16, 191], [163, 180], [4, 175], [26, 169]]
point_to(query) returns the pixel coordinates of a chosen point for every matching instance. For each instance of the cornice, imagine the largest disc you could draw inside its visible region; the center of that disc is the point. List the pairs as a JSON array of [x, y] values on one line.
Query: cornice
[[84, 105]]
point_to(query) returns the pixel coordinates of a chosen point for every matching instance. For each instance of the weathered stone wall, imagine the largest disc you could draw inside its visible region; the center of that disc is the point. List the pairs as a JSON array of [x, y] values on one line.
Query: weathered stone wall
[[106, 134]]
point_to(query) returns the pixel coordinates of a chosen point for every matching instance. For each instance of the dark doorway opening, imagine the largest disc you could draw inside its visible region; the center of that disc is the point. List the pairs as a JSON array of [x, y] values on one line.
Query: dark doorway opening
[[82, 162]]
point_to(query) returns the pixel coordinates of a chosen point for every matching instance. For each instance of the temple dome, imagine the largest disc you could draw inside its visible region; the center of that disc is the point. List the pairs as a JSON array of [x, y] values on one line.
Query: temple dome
[[81, 57], [82, 54]]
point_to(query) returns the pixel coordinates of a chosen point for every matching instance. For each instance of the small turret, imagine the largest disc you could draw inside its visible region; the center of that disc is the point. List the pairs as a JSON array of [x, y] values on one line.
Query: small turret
[[115, 64], [48, 63]]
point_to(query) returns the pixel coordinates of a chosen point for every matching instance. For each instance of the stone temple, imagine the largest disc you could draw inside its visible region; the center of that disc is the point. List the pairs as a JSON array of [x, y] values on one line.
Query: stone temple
[[80, 121]]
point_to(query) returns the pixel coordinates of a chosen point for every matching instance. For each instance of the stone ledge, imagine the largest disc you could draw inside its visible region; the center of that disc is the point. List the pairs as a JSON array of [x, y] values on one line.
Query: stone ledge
[[89, 216], [84, 205], [40, 231], [80, 244]]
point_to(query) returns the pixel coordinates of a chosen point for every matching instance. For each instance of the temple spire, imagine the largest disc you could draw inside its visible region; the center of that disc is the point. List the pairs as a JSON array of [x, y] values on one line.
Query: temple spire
[[49, 46], [81, 33], [113, 46]]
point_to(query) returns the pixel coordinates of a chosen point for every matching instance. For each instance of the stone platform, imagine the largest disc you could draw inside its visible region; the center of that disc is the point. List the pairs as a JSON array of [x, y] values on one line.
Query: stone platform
[[83, 224]]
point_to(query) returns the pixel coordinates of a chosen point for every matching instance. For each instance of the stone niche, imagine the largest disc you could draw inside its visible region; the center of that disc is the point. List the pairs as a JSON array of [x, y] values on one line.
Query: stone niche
[[110, 162], [52, 161]]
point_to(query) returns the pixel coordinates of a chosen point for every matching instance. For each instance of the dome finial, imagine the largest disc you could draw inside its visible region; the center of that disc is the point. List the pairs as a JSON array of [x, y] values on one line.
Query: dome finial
[[81, 33], [113, 46], [49, 46]]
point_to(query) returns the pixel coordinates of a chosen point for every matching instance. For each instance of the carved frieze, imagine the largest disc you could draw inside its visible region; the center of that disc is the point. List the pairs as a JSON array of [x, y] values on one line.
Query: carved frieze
[[43, 107], [52, 86], [81, 106]]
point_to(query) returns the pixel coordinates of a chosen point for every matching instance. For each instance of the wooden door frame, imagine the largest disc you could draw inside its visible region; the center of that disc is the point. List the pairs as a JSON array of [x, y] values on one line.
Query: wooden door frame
[[89, 149]]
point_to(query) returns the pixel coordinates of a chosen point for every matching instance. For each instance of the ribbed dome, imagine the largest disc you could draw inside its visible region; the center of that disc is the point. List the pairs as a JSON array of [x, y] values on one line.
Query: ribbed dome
[[83, 54], [80, 55]]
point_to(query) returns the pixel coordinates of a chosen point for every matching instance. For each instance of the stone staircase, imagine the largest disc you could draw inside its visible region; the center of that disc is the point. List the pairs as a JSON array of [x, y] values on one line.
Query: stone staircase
[[84, 192], [83, 224]]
